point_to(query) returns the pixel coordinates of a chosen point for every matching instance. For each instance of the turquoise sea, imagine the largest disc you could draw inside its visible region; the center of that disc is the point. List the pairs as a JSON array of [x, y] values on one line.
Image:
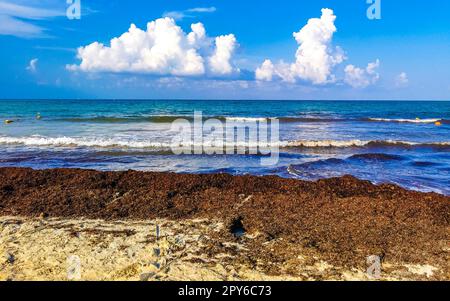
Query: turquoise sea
[[407, 143]]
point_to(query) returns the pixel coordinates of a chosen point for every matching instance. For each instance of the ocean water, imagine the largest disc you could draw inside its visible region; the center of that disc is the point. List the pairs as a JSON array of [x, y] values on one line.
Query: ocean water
[[384, 142]]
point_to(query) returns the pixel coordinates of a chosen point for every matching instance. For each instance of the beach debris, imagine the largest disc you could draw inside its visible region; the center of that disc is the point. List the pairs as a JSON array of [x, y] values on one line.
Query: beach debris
[[171, 194], [73, 267], [10, 258], [157, 250], [7, 121], [161, 251], [374, 267], [146, 276], [237, 228], [43, 215], [425, 270], [180, 242], [157, 232], [244, 200]]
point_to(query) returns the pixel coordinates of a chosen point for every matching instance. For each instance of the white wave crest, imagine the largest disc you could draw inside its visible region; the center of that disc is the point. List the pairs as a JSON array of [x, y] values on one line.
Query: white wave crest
[[115, 142], [327, 143], [246, 119], [83, 142], [401, 120], [359, 143]]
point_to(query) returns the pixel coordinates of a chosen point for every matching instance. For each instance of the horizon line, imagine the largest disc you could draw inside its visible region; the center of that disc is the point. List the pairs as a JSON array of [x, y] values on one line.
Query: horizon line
[[217, 99]]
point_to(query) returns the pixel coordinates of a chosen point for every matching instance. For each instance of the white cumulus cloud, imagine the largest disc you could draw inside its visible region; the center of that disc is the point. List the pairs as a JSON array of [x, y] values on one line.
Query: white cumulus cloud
[[362, 78], [315, 56], [162, 49], [220, 61], [266, 71]]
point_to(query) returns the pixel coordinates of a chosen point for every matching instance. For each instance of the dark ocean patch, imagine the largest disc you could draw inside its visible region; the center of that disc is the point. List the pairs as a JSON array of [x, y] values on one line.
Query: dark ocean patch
[[318, 163], [124, 119], [424, 164], [377, 157]]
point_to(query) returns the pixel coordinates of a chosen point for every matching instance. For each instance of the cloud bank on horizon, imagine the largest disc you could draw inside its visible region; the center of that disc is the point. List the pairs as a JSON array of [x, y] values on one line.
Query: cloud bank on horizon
[[164, 49]]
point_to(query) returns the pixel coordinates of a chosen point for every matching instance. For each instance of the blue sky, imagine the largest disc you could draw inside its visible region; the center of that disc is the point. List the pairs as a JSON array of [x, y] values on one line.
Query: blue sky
[[243, 50]]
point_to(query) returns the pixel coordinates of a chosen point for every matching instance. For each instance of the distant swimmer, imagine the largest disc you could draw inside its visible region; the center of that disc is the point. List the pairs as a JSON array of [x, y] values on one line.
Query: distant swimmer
[[38, 116], [438, 123], [7, 121]]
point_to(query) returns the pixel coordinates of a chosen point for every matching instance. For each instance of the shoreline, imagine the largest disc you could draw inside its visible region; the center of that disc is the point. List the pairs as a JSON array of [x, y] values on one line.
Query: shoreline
[[274, 227]]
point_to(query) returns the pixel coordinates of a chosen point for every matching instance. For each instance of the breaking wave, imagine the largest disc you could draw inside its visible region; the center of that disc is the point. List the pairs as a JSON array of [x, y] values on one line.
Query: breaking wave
[[130, 143], [402, 120], [360, 143], [79, 142]]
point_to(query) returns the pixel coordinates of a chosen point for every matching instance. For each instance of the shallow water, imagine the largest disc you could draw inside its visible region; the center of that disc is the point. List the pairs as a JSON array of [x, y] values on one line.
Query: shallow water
[[396, 142]]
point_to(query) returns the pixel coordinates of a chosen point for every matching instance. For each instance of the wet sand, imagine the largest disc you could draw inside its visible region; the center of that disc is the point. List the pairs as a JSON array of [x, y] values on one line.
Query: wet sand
[[216, 227]]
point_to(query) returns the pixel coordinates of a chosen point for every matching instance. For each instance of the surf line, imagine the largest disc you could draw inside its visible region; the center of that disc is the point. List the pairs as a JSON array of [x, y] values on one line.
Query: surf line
[[251, 136]]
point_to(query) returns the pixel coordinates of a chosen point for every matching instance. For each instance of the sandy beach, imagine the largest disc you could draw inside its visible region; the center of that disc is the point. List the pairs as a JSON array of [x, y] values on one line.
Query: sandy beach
[[161, 226]]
